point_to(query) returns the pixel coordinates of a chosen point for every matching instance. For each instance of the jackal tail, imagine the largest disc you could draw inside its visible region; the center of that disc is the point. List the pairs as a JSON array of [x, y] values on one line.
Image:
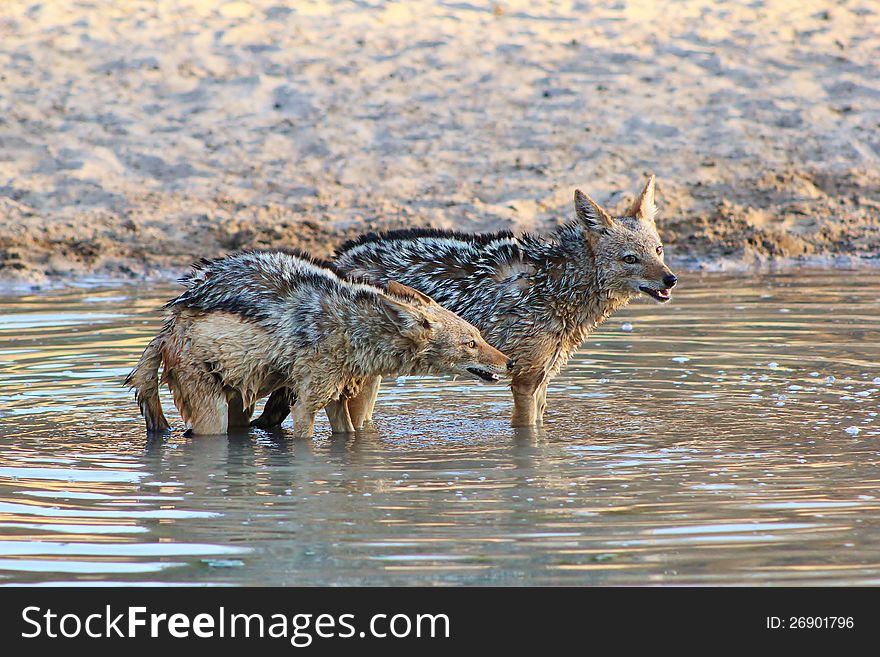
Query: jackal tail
[[145, 380]]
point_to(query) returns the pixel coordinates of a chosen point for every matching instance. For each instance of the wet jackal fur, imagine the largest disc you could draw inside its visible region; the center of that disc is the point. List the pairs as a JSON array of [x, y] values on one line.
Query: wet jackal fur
[[253, 323], [534, 297]]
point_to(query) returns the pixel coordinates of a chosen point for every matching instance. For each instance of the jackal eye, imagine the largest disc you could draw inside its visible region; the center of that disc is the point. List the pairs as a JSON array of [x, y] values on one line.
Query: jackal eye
[[660, 250], [472, 344], [630, 259]]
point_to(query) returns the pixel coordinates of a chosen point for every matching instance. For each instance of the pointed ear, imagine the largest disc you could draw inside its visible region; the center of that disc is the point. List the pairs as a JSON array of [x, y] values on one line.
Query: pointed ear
[[590, 213], [643, 207], [409, 321], [411, 294]]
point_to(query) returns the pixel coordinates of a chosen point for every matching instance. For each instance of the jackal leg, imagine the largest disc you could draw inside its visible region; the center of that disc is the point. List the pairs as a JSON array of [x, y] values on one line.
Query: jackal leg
[[361, 407], [303, 412], [541, 402], [338, 414], [239, 415], [525, 403], [313, 394], [276, 410], [212, 418], [523, 407], [200, 400]]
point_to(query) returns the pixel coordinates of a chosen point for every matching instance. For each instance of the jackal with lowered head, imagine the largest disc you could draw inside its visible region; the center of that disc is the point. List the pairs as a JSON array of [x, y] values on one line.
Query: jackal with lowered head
[[256, 322], [534, 297]]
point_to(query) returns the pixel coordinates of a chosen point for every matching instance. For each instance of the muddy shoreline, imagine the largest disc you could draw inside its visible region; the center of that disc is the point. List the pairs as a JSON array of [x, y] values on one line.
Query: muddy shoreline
[[110, 248], [690, 267]]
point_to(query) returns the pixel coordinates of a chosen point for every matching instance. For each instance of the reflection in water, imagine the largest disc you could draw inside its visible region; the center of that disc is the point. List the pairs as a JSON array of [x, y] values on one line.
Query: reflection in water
[[728, 438]]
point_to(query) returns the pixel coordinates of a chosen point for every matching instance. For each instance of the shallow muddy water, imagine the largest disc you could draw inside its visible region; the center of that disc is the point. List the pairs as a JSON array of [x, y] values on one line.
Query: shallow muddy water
[[731, 437]]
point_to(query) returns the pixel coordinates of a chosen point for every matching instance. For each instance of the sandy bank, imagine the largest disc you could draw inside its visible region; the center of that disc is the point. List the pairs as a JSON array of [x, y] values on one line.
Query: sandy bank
[[138, 135]]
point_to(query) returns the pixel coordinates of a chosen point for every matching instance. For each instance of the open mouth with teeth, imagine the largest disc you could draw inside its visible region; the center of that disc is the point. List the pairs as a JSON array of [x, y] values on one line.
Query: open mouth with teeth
[[486, 375], [659, 295]]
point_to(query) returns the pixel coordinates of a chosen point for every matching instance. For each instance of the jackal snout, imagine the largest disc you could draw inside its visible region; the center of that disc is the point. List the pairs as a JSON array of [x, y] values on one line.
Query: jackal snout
[[464, 350], [490, 363], [657, 282]]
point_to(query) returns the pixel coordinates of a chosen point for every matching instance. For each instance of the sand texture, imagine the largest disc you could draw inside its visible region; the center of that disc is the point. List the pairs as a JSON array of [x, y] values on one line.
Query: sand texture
[[138, 135]]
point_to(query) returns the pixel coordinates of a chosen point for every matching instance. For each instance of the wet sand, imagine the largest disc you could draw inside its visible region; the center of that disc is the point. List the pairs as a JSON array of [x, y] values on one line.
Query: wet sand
[[137, 136]]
